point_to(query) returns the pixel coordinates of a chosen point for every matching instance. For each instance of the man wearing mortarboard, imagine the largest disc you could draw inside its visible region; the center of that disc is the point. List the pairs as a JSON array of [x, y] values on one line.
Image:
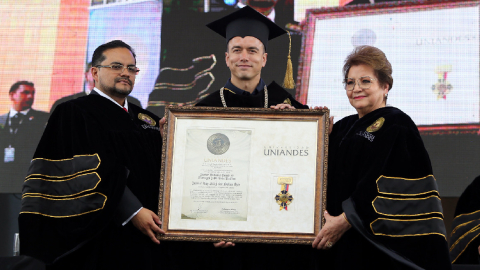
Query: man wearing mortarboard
[[247, 33]]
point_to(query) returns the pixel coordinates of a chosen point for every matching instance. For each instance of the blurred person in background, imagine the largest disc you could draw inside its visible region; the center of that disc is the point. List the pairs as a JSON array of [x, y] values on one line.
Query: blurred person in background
[[20, 131]]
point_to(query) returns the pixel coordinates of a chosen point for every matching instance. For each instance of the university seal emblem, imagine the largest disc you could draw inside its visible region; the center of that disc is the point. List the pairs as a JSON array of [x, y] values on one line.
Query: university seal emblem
[[376, 125], [147, 119], [218, 144]]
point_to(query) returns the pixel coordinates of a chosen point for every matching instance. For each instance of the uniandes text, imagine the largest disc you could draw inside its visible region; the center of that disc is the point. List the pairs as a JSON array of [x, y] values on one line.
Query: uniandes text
[[303, 152]]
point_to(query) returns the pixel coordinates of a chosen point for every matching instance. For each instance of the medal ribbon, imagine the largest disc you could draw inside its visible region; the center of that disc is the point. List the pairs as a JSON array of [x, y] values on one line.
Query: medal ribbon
[[286, 189]]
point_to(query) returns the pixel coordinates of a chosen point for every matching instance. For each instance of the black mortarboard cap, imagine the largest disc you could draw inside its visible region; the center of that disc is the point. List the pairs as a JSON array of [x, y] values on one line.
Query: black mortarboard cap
[[246, 22]]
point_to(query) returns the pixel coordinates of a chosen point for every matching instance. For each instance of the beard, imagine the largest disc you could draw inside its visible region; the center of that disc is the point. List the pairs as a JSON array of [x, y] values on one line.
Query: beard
[[124, 92], [117, 91]]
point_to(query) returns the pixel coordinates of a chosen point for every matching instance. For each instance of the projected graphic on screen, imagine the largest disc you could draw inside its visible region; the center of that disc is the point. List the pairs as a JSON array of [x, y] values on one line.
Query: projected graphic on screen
[[434, 54], [49, 44]]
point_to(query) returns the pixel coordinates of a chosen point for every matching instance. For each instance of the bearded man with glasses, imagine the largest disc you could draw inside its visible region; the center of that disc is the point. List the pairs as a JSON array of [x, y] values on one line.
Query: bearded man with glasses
[[91, 194], [88, 86]]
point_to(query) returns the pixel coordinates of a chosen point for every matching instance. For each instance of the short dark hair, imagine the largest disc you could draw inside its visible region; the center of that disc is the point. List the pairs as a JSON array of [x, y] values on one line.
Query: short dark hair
[[98, 56], [373, 57], [16, 85]]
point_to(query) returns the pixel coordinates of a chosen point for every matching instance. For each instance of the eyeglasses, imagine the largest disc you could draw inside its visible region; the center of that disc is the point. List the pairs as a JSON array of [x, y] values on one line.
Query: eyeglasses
[[120, 68], [364, 83]]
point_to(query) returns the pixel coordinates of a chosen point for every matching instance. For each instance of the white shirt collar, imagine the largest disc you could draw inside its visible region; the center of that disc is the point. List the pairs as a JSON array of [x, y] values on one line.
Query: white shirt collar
[[13, 112], [109, 98], [271, 16]]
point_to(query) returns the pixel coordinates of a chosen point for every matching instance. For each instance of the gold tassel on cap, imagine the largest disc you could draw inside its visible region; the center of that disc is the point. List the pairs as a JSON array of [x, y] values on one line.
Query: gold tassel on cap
[[288, 82]]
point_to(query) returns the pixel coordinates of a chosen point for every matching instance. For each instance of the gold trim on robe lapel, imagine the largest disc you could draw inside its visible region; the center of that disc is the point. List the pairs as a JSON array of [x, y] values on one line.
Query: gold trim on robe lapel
[[147, 119], [376, 125]]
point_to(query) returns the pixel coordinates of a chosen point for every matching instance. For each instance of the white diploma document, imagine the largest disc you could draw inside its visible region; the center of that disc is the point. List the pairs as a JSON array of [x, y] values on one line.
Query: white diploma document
[[215, 182], [227, 173]]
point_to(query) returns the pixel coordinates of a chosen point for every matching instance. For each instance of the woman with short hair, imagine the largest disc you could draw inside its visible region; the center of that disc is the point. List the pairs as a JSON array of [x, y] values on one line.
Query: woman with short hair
[[384, 210]]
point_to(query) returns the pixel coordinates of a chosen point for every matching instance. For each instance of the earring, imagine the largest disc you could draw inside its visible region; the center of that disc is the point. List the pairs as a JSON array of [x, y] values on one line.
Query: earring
[[386, 95]]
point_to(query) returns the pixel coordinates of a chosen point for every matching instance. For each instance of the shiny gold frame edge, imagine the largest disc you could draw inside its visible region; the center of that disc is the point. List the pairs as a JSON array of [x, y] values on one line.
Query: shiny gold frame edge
[[232, 236]]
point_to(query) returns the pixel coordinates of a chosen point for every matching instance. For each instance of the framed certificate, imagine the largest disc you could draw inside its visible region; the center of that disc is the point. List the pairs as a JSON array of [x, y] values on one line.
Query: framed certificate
[[243, 174]]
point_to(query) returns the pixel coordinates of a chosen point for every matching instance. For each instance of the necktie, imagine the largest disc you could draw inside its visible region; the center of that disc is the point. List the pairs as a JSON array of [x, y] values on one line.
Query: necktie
[[125, 109], [14, 123]]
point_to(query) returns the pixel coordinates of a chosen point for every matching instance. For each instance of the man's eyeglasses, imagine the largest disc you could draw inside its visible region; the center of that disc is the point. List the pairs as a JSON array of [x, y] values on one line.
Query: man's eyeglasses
[[364, 83], [120, 68]]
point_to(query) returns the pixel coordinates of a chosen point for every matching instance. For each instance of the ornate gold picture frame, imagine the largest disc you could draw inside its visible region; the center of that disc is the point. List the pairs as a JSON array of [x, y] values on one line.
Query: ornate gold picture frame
[[243, 174]]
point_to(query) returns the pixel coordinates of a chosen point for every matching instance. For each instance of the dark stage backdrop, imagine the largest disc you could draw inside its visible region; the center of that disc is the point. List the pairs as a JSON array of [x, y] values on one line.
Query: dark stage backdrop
[[432, 45]]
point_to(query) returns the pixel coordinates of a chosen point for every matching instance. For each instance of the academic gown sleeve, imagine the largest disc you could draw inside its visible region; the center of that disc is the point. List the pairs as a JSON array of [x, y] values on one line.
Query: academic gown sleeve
[[73, 187], [465, 238], [394, 202]]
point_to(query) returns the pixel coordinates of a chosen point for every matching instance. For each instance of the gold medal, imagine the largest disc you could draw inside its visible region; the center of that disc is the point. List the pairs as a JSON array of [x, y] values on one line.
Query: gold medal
[[147, 119], [284, 198], [376, 125]]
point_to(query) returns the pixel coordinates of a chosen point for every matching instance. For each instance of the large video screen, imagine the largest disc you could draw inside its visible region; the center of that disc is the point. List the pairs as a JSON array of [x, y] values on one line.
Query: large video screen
[[48, 44], [433, 52]]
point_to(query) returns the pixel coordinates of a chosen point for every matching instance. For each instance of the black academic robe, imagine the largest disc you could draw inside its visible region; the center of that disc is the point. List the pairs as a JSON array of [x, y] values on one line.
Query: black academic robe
[[379, 174], [276, 95], [466, 226], [256, 256], [90, 152], [130, 99]]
